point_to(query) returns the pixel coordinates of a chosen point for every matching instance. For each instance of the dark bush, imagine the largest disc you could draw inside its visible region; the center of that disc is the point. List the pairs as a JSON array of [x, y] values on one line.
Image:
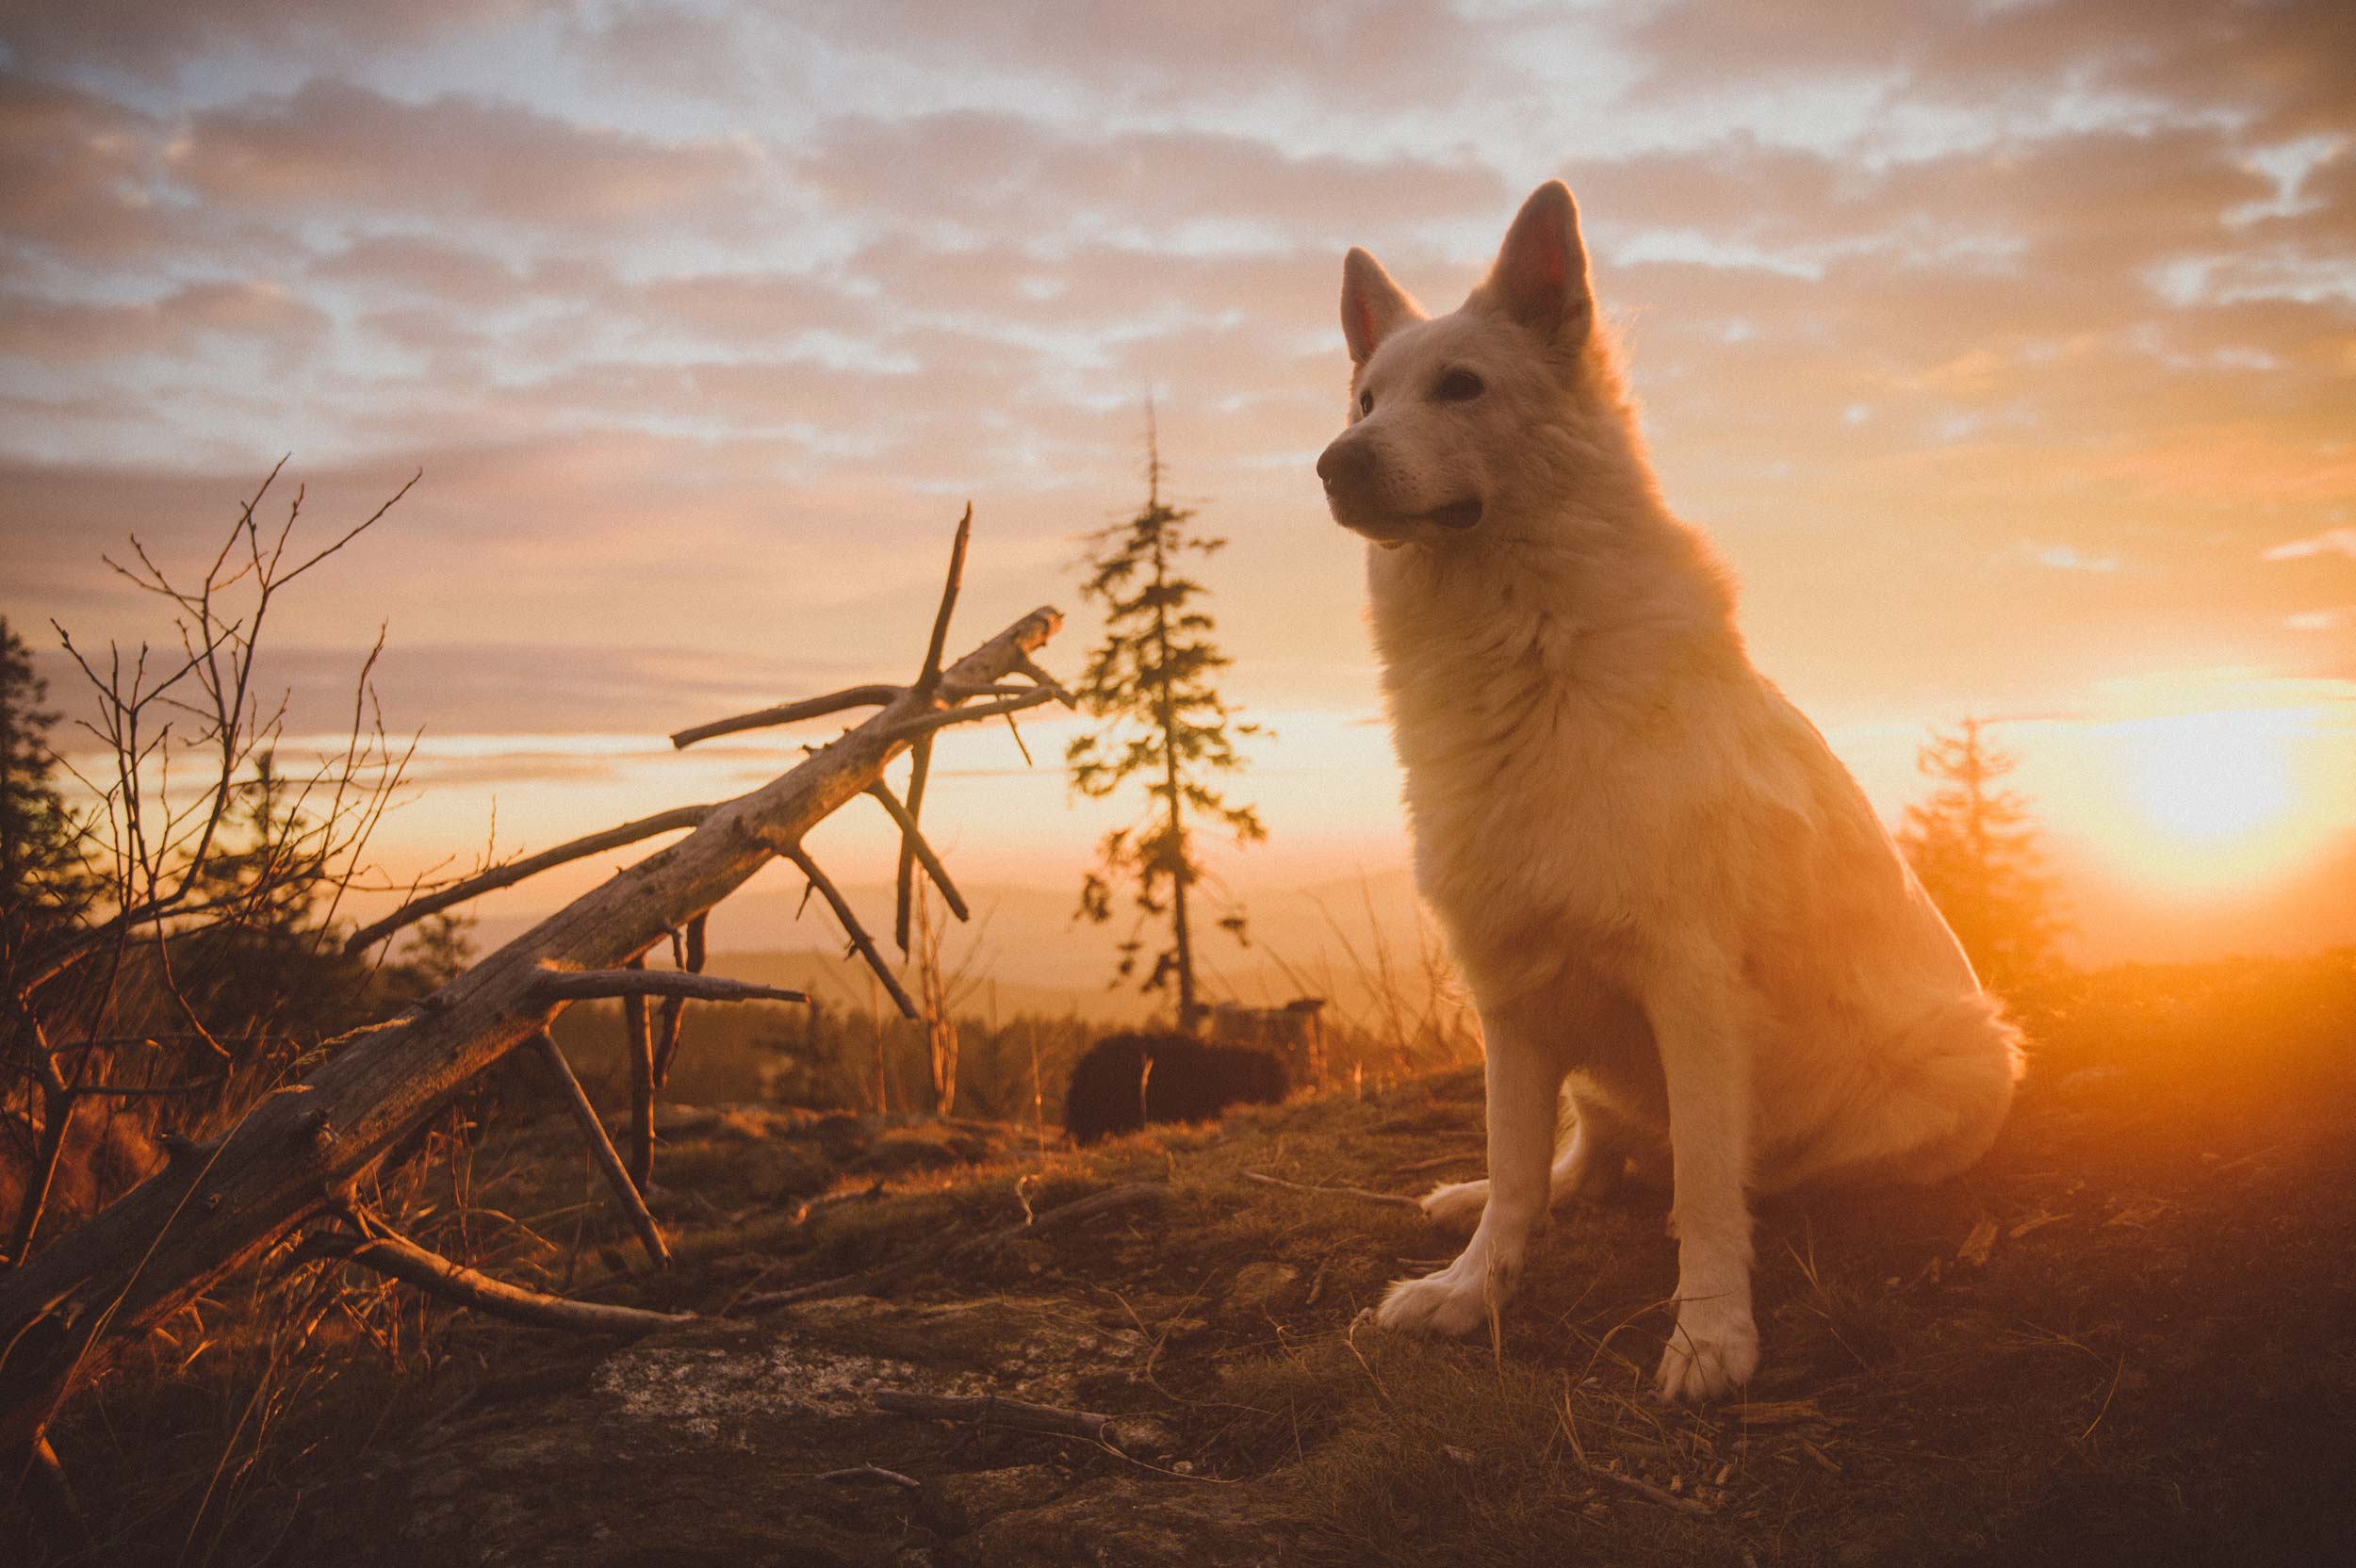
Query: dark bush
[[1125, 1081]]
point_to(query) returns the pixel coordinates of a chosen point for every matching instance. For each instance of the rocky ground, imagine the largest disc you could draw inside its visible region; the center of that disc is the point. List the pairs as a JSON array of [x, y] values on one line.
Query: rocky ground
[[2128, 1336]]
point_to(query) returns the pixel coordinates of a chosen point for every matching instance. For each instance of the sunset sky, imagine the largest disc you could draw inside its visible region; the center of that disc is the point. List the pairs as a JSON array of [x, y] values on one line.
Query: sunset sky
[[2008, 349]]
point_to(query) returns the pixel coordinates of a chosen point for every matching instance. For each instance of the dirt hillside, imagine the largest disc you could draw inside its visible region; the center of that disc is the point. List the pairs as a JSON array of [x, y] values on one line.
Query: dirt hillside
[[2128, 1336]]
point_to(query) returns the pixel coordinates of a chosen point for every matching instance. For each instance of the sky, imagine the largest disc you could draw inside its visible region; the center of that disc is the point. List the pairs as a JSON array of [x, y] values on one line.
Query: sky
[[2007, 351]]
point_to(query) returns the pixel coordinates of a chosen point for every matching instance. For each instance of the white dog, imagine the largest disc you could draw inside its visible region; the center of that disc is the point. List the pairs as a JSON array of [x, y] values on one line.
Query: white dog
[[1658, 881]]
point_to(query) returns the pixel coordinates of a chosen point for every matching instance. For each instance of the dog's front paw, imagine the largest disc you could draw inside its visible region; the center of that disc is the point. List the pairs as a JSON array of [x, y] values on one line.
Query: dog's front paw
[[1443, 1304], [1456, 1205], [1711, 1353]]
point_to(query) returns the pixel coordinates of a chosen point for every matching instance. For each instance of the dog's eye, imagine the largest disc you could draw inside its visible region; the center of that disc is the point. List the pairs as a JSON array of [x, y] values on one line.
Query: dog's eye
[[1365, 403], [1458, 386]]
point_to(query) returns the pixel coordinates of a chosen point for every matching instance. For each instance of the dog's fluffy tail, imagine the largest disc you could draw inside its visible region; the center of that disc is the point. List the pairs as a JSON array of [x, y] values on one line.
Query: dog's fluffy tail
[[1938, 1097]]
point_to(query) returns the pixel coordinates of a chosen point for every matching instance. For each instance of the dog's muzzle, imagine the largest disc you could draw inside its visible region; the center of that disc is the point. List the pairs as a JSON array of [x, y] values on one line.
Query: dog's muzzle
[[1353, 474]]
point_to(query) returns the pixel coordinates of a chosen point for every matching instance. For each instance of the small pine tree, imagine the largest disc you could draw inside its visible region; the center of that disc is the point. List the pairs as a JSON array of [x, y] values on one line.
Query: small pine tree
[[1974, 847], [1171, 727], [42, 880]]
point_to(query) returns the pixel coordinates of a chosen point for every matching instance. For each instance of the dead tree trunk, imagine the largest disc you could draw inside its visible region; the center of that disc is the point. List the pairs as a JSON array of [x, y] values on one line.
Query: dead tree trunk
[[73, 1305]]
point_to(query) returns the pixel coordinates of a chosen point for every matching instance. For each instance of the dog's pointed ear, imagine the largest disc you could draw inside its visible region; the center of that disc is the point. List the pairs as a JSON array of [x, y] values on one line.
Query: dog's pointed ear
[[1372, 305], [1539, 278]]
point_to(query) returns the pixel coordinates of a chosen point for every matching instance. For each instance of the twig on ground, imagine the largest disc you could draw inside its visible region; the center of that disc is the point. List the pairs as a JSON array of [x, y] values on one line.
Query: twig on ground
[[1433, 1164], [1063, 1217], [867, 1193], [1650, 1493], [406, 1260], [872, 1472], [1392, 1197], [988, 1410]]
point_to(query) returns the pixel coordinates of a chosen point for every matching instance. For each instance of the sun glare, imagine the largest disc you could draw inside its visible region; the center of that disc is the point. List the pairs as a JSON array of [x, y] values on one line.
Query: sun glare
[[2218, 801]]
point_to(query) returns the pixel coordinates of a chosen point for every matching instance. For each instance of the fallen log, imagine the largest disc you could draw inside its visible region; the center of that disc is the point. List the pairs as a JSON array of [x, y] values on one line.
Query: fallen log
[[67, 1311]]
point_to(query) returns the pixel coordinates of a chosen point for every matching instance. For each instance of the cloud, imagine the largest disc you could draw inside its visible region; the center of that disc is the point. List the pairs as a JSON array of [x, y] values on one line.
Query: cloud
[[2068, 557], [2334, 541], [155, 38], [249, 311], [2322, 620], [1195, 190], [422, 266], [333, 144], [1345, 55], [77, 172]]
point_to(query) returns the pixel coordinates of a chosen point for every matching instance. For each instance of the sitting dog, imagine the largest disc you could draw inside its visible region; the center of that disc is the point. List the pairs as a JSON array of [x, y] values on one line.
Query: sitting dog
[[1666, 895]]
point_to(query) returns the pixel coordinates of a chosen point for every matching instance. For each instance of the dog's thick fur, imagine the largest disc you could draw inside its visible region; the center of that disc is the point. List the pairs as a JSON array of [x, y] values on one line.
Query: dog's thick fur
[[1668, 897]]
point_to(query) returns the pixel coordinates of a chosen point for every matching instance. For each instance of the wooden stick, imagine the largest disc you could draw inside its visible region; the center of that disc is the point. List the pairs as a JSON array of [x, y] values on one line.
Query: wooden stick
[[904, 877], [919, 725], [601, 1148], [930, 678], [1647, 1491], [1046, 682], [915, 840], [1391, 1197], [638, 1051], [872, 1473], [1063, 1217], [531, 865], [921, 755], [988, 1410], [810, 708], [588, 985], [857, 933], [816, 1206], [690, 957], [404, 1259]]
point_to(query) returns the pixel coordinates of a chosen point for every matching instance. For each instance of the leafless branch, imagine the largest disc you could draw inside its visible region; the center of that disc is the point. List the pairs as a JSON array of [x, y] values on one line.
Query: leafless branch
[[404, 1260], [790, 712], [687, 952], [903, 878], [852, 928], [933, 868], [675, 819], [920, 724], [601, 1148], [582, 985], [930, 678]]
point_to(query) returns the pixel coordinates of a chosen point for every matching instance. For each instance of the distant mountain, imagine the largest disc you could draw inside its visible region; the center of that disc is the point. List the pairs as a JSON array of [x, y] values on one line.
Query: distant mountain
[[1345, 941]]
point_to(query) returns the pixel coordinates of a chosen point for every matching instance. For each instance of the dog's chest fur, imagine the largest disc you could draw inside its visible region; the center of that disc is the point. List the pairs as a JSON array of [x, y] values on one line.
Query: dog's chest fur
[[1557, 719]]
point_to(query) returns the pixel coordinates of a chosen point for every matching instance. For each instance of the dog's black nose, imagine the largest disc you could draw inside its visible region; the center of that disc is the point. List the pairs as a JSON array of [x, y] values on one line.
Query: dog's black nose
[[1346, 465]]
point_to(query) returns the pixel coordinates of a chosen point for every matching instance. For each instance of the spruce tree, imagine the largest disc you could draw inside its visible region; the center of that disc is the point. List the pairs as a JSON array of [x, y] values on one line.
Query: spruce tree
[[1170, 728], [1974, 847], [41, 878]]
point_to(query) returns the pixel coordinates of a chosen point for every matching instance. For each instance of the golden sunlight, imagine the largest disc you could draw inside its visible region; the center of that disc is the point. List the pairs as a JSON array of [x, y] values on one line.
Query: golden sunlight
[[2218, 801]]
